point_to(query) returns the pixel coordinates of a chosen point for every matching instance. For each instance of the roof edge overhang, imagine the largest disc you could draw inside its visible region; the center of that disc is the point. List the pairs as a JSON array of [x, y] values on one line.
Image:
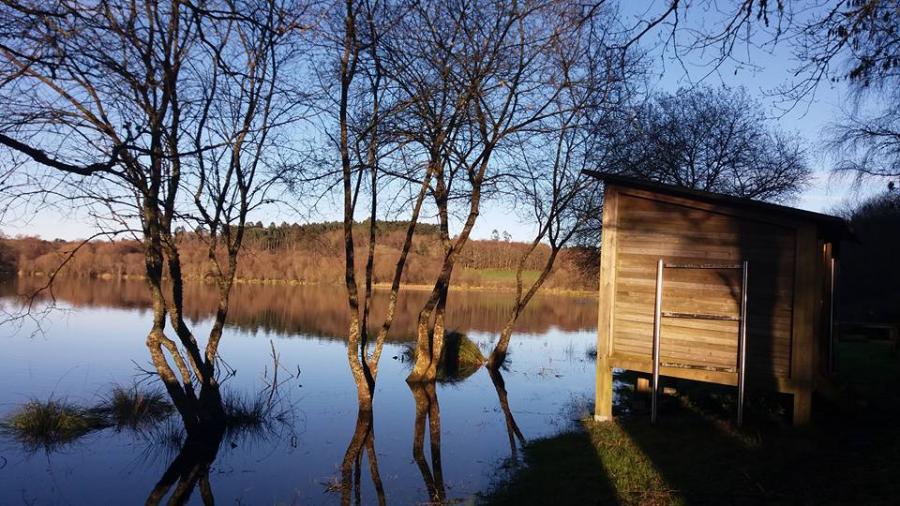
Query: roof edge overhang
[[830, 227]]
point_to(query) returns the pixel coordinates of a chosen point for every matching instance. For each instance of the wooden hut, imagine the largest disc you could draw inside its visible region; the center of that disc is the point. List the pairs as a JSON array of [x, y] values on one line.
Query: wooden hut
[[672, 297]]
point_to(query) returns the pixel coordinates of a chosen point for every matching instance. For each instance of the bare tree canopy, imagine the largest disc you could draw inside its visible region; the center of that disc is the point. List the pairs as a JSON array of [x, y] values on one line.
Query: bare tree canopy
[[868, 278], [155, 114], [710, 139], [855, 43]]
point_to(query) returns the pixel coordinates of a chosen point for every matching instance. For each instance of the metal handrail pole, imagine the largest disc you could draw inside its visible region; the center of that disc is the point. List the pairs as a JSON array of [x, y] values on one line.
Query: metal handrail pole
[[742, 345], [657, 319]]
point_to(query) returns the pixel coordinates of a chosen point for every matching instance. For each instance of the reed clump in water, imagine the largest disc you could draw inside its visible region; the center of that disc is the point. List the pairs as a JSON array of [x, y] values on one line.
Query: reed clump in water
[[51, 424], [460, 358], [134, 408]]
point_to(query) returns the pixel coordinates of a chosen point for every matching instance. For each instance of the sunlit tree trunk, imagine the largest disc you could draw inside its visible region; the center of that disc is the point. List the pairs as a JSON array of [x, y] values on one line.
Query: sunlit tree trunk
[[498, 354]]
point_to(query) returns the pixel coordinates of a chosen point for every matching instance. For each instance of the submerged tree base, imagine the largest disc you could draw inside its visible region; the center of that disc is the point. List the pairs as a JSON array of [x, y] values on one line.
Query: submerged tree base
[[460, 358]]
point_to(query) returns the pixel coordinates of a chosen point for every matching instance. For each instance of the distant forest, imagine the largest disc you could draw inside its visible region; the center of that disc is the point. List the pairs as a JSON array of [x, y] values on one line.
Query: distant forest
[[309, 253]]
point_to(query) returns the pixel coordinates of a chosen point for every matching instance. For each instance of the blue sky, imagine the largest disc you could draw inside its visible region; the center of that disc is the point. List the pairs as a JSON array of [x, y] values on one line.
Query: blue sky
[[768, 69]]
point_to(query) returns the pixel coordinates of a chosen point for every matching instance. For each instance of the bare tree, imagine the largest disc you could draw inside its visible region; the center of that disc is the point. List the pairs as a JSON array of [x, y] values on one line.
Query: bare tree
[[367, 143], [854, 42], [866, 36], [562, 201], [713, 140], [158, 113], [475, 75]]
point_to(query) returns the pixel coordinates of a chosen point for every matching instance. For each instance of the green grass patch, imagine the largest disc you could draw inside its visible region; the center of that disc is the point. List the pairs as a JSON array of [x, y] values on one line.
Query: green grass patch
[[505, 275]]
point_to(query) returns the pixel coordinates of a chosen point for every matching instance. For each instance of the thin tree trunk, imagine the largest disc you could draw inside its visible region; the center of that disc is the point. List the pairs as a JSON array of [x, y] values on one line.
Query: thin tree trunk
[[499, 353]]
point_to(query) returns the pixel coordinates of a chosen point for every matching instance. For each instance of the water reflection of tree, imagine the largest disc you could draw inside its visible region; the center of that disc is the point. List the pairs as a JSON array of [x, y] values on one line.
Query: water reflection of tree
[[351, 467], [428, 410], [189, 469], [512, 428]]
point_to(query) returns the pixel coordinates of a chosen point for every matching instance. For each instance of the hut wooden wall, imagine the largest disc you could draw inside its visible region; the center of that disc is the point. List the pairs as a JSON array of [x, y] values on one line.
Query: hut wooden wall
[[650, 226]]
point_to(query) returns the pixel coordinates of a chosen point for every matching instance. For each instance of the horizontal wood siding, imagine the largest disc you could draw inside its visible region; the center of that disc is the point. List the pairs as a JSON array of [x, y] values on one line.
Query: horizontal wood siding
[[649, 229]]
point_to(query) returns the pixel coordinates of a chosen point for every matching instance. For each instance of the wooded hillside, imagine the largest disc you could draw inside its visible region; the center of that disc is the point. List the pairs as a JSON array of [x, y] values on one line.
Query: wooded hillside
[[311, 253]]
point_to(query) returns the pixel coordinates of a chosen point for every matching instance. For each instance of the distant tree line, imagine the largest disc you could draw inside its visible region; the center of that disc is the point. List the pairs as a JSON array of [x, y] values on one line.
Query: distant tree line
[[308, 253], [868, 278]]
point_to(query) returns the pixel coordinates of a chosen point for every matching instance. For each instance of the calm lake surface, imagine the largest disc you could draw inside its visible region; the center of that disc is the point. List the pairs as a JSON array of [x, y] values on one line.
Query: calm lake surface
[[97, 341]]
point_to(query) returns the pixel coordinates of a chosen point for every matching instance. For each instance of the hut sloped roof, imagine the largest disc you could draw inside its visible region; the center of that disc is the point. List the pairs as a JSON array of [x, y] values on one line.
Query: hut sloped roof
[[831, 227]]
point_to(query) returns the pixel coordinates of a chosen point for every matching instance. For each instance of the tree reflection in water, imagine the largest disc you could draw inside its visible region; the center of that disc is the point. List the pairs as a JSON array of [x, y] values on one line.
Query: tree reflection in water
[[427, 409], [189, 469], [351, 467], [512, 428], [191, 454]]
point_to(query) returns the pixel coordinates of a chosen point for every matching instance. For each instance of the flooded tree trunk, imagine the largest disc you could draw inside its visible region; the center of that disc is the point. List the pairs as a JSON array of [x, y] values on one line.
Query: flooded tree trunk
[[356, 335], [430, 342], [430, 336], [362, 376], [498, 355], [201, 411]]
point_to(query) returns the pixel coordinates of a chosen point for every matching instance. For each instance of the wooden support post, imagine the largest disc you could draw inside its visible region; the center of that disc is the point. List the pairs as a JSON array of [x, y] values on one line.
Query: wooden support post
[[742, 344], [802, 407], [604, 392], [803, 349], [642, 385], [657, 325], [603, 407]]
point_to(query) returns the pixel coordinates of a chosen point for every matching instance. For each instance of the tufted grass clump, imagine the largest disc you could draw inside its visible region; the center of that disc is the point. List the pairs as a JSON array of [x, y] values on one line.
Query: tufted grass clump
[[460, 358], [243, 412], [51, 424], [131, 407]]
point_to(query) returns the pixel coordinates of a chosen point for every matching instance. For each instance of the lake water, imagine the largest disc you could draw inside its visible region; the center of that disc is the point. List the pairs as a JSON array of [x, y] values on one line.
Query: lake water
[[96, 341]]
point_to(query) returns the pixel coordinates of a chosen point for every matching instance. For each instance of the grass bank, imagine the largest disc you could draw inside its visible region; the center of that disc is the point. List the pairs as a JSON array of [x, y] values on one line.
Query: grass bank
[[694, 455]]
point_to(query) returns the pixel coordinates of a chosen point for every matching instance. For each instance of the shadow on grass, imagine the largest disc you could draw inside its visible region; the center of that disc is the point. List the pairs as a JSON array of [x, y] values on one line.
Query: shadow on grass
[[565, 469], [694, 455]]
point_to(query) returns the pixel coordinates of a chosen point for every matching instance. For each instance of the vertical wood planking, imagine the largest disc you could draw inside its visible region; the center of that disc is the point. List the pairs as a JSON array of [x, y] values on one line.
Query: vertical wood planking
[[652, 226], [803, 348]]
